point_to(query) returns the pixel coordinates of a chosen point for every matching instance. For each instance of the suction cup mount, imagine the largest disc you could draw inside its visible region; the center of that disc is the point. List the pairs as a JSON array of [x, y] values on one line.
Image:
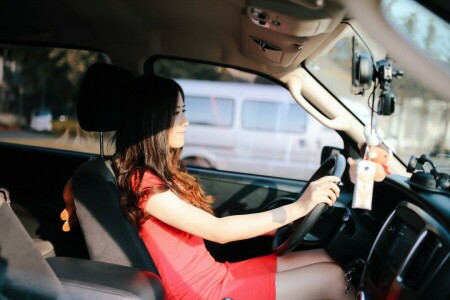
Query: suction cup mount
[[426, 176]]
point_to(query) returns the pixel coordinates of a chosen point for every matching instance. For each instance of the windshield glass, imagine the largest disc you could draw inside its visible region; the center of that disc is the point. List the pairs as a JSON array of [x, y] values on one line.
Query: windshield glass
[[419, 123], [422, 27], [241, 122]]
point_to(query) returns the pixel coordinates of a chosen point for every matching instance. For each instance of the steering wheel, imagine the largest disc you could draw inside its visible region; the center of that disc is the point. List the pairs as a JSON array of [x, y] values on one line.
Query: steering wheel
[[290, 236]]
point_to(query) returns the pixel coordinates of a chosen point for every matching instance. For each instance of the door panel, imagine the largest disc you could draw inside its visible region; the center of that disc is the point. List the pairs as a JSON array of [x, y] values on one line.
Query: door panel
[[240, 194]]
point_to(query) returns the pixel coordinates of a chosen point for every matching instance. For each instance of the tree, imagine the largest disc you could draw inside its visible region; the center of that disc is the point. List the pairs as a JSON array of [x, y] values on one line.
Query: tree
[[48, 76]]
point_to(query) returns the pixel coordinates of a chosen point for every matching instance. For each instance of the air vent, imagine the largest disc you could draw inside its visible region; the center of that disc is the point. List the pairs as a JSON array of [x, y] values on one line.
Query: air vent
[[422, 260]]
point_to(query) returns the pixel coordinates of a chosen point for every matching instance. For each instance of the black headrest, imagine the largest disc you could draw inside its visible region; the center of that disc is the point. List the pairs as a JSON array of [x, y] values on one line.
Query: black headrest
[[99, 101]]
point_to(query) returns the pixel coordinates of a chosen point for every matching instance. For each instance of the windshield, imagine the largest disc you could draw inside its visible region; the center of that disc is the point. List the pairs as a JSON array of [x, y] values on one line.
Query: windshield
[[420, 120], [422, 27]]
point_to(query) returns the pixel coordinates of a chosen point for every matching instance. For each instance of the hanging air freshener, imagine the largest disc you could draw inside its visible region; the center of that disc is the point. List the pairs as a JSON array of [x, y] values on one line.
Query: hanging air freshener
[[372, 167], [362, 195]]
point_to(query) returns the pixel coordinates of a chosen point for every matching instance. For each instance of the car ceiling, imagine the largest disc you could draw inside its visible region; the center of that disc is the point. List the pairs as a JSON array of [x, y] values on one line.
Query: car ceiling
[[142, 28], [218, 31]]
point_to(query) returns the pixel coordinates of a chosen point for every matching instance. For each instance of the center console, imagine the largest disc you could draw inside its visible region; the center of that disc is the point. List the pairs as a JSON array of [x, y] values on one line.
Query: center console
[[409, 259]]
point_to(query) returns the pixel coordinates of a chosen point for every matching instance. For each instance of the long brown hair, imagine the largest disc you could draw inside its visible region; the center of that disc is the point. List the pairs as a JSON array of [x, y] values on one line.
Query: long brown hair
[[142, 145]]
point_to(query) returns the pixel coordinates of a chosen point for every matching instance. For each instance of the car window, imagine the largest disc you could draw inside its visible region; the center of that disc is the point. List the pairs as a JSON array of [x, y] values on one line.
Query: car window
[[264, 115], [211, 111], [38, 93], [244, 123]]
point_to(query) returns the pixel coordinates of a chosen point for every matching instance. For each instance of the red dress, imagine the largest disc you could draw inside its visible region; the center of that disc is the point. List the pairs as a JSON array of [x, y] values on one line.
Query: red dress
[[188, 271]]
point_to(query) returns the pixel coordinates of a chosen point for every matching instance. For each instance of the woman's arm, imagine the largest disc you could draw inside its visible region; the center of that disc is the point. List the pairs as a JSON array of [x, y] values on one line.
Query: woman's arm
[[170, 209]]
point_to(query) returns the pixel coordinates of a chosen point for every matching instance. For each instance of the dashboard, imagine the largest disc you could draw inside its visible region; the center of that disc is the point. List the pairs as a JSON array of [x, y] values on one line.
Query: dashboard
[[410, 256]]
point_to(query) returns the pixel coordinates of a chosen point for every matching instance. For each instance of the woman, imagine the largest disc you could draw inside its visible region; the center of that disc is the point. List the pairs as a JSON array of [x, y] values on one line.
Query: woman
[[174, 215]]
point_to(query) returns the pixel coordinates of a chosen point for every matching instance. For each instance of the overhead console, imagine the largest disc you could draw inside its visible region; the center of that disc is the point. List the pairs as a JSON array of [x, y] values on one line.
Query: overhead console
[[409, 259], [276, 32]]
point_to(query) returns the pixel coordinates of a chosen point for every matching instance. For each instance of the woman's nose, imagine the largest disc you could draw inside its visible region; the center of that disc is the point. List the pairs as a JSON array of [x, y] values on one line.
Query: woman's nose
[[184, 121]]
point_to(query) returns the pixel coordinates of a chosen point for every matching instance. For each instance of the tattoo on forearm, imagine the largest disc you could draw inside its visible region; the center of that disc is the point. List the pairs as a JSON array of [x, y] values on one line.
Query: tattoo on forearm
[[279, 215]]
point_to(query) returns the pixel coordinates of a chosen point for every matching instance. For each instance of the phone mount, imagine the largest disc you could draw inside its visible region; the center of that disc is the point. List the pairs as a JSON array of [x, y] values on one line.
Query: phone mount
[[432, 180], [365, 71]]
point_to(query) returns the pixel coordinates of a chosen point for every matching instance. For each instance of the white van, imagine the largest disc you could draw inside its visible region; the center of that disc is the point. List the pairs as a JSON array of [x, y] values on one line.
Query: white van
[[41, 119], [247, 128]]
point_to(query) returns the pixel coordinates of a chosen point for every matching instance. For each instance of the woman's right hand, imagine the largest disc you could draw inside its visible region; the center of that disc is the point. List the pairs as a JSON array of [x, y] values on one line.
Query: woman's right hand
[[324, 189]]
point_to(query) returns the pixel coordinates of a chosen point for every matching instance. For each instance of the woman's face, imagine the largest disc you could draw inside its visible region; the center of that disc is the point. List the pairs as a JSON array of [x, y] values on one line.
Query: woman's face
[[178, 130]]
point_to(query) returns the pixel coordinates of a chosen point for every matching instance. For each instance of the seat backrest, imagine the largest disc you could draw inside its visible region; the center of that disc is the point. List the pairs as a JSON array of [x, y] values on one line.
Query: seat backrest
[[24, 273], [110, 236]]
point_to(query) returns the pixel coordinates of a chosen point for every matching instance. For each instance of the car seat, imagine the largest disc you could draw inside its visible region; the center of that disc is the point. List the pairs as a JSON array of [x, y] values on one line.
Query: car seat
[[23, 271], [26, 274], [110, 236], [45, 247]]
